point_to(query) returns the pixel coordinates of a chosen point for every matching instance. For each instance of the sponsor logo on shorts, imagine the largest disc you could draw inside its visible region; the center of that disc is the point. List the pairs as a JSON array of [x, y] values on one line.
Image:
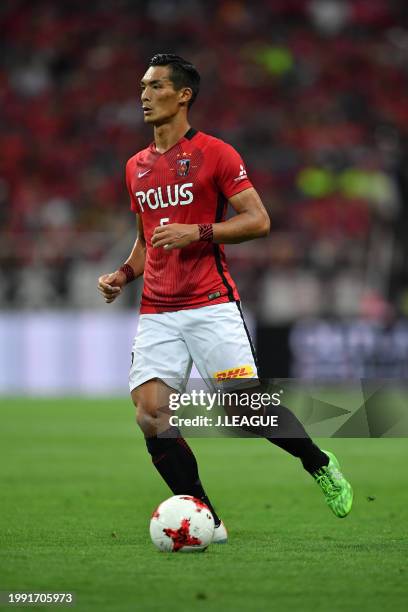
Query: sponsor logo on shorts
[[246, 371]]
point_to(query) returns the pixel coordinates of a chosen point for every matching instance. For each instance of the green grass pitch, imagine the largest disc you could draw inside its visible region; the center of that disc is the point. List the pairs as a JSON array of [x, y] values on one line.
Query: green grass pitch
[[78, 488]]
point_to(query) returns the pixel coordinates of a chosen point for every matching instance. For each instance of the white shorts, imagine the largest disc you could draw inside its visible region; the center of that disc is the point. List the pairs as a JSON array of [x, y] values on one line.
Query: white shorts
[[214, 337]]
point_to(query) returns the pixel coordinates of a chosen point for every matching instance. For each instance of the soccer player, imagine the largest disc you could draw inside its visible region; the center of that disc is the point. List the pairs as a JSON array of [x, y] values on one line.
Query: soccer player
[[179, 189]]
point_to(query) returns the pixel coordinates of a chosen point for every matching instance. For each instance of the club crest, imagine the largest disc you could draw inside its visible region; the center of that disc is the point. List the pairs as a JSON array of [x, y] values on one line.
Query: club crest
[[183, 167]]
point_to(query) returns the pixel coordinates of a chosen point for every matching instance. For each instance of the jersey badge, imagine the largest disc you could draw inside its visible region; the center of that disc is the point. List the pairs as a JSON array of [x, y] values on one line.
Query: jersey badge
[[183, 165]]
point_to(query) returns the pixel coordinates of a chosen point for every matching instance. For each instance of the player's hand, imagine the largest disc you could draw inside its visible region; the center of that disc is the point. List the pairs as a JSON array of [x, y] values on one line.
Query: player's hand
[[110, 285], [175, 235]]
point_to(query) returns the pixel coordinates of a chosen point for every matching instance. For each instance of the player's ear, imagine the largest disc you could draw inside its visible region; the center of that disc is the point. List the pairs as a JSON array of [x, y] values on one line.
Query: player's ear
[[185, 95]]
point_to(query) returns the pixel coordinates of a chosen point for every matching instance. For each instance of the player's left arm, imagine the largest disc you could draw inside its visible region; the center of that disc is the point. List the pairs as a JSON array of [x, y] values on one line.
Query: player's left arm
[[251, 221]]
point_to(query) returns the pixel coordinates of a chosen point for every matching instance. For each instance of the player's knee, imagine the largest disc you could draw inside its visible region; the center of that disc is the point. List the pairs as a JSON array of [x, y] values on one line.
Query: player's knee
[[146, 422], [144, 404], [149, 417], [152, 410]]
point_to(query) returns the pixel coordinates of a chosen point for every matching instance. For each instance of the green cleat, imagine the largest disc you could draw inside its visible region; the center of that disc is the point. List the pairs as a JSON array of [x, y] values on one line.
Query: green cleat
[[336, 489]]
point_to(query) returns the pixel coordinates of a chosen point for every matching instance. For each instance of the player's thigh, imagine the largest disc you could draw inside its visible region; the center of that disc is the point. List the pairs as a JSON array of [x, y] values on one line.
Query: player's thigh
[[159, 352], [220, 346]]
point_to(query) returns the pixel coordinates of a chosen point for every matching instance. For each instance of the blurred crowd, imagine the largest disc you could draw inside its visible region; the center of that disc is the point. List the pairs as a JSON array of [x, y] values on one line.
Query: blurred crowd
[[313, 93]]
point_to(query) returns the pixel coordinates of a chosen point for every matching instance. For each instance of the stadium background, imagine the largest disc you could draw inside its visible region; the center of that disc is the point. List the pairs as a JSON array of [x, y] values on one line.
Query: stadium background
[[311, 92]]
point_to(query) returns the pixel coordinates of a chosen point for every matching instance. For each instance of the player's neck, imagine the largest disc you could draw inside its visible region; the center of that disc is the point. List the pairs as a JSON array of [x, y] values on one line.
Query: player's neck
[[166, 135]]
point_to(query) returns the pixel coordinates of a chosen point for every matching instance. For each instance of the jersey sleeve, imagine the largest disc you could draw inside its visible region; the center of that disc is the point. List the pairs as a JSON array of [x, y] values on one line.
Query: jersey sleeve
[[230, 174], [133, 204]]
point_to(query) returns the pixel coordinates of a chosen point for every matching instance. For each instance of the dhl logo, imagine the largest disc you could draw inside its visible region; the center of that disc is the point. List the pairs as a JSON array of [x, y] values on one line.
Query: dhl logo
[[246, 371]]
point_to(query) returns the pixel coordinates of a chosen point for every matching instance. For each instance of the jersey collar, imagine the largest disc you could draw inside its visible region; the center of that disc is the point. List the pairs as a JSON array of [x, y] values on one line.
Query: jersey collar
[[189, 135]]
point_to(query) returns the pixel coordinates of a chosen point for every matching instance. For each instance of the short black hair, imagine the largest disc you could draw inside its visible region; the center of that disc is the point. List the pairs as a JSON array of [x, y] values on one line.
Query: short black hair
[[183, 73]]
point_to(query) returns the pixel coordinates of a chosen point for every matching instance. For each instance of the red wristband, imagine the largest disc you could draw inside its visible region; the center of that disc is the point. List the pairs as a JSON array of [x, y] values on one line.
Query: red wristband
[[130, 273], [206, 232]]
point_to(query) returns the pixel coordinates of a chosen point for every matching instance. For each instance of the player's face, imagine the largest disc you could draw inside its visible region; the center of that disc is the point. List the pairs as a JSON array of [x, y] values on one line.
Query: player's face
[[160, 101]]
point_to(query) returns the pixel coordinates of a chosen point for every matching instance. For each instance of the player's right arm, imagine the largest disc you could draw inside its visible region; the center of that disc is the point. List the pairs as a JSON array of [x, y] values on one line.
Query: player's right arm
[[110, 285]]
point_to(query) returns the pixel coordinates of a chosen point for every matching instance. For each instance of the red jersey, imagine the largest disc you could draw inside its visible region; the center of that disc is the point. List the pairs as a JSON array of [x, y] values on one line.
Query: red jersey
[[190, 183]]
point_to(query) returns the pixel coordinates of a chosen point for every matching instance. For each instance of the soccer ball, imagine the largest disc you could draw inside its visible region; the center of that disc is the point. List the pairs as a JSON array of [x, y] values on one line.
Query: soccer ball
[[182, 523]]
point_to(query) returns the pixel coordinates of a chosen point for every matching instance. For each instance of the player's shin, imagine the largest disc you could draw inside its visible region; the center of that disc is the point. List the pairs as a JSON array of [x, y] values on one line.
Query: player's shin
[[175, 461], [292, 437]]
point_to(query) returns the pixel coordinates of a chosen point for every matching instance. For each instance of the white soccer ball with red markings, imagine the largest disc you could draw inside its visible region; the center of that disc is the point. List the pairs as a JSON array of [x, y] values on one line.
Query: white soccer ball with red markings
[[182, 523]]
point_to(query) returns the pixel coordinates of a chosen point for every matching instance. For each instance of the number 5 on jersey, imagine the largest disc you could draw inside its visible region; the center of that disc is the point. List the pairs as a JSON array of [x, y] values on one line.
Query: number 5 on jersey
[[164, 221]]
